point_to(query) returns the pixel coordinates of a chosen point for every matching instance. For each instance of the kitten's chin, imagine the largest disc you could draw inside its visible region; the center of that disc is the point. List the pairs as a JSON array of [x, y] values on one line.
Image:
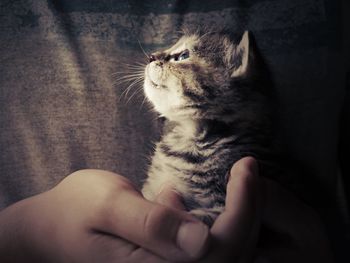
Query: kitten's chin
[[177, 115], [164, 100]]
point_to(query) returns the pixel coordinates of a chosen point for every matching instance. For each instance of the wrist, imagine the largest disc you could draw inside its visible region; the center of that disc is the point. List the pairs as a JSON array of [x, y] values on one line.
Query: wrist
[[18, 232]]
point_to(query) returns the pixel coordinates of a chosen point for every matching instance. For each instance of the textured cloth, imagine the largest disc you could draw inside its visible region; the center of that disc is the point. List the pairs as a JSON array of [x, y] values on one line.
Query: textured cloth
[[61, 109]]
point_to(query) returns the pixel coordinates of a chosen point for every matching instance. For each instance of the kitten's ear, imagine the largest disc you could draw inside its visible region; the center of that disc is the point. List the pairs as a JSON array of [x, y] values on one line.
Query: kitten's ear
[[241, 56]]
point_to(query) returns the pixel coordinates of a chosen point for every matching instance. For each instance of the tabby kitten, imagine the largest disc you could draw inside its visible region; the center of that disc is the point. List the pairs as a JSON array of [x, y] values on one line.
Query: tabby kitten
[[207, 87]]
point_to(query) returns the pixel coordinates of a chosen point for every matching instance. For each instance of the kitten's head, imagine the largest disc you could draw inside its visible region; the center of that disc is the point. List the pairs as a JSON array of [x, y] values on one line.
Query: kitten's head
[[195, 77]]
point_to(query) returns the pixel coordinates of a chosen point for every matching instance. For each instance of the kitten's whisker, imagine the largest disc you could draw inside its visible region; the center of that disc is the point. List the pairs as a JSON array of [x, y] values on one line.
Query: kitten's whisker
[[137, 68], [119, 82], [156, 118], [130, 98], [132, 84], [140, 67], [135, 83], [133, 80], [133, 70], [143, 102], [128, 71], [132, 95], [135, 64], [131, 76], [128, 74], [144, 52], [141, 63], [127, 90], [205, 34]]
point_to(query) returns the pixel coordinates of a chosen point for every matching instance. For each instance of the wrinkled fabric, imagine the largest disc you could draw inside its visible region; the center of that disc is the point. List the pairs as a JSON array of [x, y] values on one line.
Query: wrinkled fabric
[[62, 107]]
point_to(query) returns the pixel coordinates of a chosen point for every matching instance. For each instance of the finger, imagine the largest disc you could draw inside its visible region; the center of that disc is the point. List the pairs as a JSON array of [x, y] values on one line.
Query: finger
[[240, 207], [107, 248], [169, 197], [238, 224], [144, 256], [170, 233]]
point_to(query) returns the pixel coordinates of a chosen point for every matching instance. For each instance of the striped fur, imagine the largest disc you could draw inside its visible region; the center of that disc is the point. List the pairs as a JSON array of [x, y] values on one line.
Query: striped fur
[[219, 114]]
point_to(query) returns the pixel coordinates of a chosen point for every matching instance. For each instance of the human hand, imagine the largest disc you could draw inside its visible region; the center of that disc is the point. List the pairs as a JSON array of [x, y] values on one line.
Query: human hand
[[290, 231], [98, 216], [91, 214], [234, 233]]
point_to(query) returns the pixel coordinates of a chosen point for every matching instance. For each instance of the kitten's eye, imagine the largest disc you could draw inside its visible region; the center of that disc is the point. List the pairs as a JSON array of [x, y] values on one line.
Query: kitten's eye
[[184, 55]]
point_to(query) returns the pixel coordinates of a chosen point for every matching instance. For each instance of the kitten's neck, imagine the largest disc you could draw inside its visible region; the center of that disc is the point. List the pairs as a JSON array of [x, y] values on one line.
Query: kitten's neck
[[200, 129], [188, 128]]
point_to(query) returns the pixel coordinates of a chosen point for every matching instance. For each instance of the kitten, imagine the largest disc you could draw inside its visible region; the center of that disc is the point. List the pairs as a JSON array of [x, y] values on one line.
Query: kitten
[[208, 88]]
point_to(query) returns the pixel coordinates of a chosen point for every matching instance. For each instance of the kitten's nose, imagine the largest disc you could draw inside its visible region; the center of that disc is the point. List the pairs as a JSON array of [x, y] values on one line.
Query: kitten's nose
[[152, 58]]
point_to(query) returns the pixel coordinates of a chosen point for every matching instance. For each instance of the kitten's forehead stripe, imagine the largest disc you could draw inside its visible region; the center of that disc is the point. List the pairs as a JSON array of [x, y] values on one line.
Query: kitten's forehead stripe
[[186, 42], [160, 55], [177, 48]]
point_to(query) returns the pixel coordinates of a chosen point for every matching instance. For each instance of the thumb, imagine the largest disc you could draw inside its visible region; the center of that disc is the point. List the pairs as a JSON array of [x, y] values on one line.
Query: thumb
[[165, 231], [235, 230], [169, 197]]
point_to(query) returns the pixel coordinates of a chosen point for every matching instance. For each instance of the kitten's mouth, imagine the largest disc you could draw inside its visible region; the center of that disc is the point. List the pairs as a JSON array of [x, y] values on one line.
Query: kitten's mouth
[[154, 85]]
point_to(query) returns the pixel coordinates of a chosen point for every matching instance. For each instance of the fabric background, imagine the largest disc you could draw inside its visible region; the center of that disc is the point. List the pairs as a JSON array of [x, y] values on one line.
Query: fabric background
[[60, 109]]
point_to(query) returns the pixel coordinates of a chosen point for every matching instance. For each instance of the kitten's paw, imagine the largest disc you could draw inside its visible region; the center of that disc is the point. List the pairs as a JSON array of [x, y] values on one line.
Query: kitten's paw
[[207, 215]]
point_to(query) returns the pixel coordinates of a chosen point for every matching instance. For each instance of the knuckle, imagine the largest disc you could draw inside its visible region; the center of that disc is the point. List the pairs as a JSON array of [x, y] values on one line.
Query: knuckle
[[121, 185], [85, 175], [103, 185], [109, 180]]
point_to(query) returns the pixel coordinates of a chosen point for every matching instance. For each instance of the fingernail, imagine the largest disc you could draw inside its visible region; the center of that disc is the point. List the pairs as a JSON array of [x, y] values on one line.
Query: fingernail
[[247, 163], [164, 187], [253, 165], [193, 238]]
